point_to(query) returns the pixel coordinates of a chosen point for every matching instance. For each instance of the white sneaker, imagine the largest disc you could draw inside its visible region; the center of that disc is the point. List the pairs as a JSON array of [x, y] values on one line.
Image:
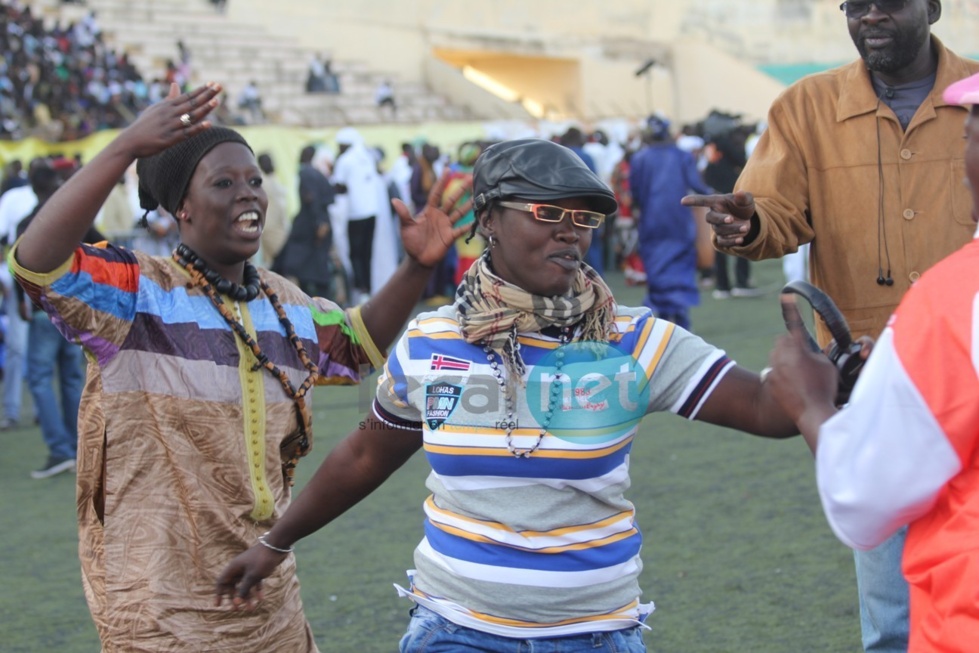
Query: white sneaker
[[747, 292], [53, 467]]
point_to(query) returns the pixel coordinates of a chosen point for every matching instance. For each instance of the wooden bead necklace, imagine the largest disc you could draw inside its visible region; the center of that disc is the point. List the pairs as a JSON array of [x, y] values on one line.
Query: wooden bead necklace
[[242, 293], [299, 445]]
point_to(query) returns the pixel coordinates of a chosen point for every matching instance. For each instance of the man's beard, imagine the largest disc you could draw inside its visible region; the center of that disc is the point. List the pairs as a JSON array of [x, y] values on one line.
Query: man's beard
[[903, 49]]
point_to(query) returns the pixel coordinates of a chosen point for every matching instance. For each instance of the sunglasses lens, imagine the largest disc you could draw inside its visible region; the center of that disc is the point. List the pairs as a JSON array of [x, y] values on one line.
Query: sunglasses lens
[[546, 213], [587, 219], [861, 9]]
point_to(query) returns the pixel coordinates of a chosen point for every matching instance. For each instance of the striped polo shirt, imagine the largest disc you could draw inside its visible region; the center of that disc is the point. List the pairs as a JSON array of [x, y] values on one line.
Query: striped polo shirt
[[545, 545]]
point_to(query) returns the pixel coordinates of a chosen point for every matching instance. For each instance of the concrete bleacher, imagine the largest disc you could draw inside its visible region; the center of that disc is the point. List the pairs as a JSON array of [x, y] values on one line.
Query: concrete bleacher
[[234, 54]]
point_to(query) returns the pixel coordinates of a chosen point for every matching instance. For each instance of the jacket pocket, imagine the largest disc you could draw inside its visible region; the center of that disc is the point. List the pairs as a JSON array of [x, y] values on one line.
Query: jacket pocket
[[960, 194]]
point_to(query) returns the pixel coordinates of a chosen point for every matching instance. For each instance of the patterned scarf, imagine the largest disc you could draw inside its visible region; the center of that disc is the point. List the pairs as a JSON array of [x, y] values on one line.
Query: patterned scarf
[[493, 312]]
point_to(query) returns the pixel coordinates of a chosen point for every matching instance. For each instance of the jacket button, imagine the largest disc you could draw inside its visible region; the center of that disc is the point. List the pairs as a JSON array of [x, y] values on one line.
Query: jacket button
[[906, 154], [914, 276], [909, 214]]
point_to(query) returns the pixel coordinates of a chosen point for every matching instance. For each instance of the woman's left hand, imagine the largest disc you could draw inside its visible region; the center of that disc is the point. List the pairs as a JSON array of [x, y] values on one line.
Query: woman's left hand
[[241, 580], [429, 235]]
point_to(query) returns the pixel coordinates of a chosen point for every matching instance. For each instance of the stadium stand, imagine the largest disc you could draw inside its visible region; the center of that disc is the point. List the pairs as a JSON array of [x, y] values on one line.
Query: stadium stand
[[236, 54]]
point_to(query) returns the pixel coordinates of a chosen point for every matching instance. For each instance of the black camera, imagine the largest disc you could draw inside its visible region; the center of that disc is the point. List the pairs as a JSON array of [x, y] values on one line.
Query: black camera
[[843, 352]]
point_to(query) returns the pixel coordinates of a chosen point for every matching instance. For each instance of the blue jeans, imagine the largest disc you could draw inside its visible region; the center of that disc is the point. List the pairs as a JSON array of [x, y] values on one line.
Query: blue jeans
[[13, 364], [46, 350], [430, 633], [883, 593]]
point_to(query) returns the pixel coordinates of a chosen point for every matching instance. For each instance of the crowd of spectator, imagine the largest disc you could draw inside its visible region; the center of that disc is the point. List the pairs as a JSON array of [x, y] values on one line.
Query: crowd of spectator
[[63, 82]]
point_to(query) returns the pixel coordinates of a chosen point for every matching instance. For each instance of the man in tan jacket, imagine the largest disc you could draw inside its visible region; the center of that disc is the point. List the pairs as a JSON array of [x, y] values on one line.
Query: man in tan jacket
[[865, 162]]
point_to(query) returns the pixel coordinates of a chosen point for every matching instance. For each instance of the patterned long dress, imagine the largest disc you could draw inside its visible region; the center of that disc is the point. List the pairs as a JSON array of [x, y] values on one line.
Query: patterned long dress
[[181, 444]]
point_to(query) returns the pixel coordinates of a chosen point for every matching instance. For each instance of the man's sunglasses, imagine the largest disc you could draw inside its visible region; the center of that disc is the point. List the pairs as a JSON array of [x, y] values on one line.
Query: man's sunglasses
[[548, 213], [862, 8]]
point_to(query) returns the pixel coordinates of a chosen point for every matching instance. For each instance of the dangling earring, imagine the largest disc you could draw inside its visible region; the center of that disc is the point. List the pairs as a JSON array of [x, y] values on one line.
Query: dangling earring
[[492, 241]]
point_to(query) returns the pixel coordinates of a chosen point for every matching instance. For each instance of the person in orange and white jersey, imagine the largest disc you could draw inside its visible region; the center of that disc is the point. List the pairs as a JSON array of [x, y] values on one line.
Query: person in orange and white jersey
[[905, 450]]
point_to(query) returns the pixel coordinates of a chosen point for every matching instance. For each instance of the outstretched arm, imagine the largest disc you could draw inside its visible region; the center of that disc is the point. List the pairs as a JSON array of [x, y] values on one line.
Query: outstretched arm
[[63, 220], [743, 400], [354, 469], [778, 177], [427, 237], [795, 395]]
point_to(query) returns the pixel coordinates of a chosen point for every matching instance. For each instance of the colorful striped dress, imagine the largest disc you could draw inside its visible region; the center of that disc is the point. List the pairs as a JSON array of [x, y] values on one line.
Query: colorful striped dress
[[180, 458], [547, 545]]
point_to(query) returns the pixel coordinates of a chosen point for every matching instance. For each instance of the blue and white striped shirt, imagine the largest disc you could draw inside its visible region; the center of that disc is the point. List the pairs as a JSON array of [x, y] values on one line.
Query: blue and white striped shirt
[[546, 545]]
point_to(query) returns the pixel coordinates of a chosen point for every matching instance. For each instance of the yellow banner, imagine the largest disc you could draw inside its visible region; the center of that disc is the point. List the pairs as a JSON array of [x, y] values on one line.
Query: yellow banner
[[283, 144]]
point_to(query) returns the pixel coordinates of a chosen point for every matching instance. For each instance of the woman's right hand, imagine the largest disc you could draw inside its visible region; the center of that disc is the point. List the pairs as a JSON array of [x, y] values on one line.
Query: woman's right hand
[[61, 223], [171, 120], [241, 580]]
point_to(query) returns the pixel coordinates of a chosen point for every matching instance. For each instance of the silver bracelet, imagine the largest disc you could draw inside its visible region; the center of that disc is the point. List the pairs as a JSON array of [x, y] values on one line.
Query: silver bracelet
[[263, 542]]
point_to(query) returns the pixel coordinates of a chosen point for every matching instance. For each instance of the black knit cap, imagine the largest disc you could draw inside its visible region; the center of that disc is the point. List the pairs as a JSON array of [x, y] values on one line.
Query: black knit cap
[[534, 169], [165, 176]]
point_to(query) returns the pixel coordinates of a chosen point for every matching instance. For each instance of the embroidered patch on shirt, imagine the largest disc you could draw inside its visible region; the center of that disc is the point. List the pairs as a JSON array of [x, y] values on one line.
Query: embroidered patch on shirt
[[440, 400], [443, 362]]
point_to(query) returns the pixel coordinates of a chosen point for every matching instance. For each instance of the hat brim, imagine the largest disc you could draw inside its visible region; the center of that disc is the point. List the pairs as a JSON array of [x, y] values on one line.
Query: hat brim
[[536, 170], [596, 202], [964, 92]]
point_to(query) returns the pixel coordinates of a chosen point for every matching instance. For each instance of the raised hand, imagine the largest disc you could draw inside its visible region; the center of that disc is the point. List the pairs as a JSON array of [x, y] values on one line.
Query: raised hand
[[429, 235], [171, 120], [729, 215]]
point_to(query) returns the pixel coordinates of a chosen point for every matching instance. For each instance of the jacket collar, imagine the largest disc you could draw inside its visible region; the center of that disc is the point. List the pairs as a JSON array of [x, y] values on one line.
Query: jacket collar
[[857, 95]]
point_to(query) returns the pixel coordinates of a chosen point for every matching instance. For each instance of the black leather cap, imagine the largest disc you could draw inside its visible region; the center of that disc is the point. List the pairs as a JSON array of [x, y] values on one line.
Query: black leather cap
[[537, 170]]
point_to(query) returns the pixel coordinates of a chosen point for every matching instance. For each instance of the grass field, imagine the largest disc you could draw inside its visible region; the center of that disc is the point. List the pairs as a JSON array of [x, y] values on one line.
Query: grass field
[[738, 557]]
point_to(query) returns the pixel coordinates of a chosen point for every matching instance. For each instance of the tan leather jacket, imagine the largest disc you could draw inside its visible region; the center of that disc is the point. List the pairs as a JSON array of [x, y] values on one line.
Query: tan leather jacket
[[816, 175]]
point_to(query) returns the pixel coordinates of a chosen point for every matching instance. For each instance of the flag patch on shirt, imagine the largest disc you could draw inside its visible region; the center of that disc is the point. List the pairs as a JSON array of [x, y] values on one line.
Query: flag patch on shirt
[[443, 362], [441, 400]]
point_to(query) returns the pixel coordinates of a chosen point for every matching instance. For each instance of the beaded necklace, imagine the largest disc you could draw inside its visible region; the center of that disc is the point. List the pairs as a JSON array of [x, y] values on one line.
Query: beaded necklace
[[299, 445], [186, 256], [508, 401]]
